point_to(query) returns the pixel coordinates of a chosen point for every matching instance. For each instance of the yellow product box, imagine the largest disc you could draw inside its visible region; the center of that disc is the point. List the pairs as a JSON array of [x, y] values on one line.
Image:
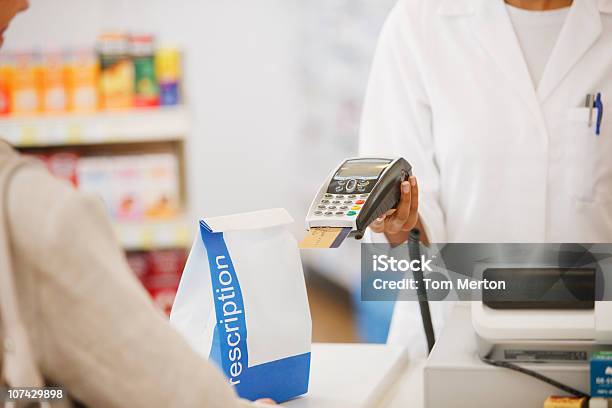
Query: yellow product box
[[160, 186], [167, 64], [116, 71], [565, 402], [168, 71]]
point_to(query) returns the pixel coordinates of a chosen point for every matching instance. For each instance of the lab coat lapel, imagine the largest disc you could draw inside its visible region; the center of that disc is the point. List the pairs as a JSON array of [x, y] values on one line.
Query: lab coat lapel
[[493, 28], [581, 30]]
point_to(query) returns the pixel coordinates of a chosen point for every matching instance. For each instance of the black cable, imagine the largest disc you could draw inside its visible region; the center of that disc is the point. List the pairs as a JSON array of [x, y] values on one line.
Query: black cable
[[414, 251], [536, 375]]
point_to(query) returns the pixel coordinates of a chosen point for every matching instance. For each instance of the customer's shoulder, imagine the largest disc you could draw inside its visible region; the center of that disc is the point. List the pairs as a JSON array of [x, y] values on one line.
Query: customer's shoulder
[[43, 209], [35, 196], [32, 180]]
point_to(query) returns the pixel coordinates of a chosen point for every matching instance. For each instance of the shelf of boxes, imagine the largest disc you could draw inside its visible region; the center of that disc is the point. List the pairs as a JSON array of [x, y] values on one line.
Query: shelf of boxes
[[148, 128], [149, 235], [107, 127], [112, 121]]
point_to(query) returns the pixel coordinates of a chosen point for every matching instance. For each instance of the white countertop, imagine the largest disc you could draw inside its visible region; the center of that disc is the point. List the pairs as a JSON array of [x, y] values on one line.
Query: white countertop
[[360, 375]]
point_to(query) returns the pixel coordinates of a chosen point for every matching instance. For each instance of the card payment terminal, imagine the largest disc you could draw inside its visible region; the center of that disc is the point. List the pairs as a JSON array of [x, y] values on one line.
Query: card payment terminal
[[357, 192]]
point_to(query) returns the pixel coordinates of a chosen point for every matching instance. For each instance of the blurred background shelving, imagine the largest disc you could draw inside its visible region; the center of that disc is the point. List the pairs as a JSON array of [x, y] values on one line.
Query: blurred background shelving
[[110, 118], [68, 129], [114, 133], [152, 235], [270, 96]]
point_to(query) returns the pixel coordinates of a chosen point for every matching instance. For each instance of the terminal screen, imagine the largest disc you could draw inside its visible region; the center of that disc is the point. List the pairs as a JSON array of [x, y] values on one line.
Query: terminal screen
[[362, 168]]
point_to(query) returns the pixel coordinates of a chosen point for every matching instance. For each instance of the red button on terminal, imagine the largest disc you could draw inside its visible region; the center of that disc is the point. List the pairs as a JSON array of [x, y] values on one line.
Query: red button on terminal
[[359, 202]]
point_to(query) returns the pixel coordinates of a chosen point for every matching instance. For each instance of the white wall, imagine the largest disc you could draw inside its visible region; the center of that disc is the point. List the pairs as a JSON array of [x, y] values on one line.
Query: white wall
[[240, 83]]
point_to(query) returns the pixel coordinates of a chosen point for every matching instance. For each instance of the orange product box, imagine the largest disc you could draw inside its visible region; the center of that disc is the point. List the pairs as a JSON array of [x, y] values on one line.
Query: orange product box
[[7, 69], [54, 89], [82, 76], [26, 86]]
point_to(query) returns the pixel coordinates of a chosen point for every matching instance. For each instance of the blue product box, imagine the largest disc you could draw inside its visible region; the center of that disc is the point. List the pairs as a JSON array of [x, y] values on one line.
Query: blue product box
[[601, 374]]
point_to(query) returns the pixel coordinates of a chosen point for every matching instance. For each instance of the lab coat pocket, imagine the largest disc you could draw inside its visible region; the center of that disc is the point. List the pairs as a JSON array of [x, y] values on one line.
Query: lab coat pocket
[[583, 154]]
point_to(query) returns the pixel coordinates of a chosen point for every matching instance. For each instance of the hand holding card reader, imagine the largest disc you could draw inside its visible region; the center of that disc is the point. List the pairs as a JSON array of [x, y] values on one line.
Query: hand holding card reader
[[357, 192]]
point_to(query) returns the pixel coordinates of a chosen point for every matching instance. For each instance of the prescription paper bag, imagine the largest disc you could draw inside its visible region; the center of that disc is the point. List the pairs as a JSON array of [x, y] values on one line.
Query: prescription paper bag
[[242, 303]]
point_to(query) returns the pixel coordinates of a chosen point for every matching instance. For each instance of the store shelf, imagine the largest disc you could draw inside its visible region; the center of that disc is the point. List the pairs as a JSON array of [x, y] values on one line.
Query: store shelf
[[154, 235], [129, 126]]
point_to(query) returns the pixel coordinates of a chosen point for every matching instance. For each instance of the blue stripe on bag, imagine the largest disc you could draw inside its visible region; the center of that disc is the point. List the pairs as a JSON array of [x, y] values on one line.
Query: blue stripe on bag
[[229, 307], [279, 379]]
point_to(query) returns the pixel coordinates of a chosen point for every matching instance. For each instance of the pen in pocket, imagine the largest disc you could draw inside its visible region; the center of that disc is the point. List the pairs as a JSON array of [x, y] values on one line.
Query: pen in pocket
[[599, 106], [590, 104], [594, 101]]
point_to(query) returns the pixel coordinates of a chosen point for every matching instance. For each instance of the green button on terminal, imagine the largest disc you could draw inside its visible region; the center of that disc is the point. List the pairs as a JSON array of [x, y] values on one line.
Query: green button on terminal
[[351, 213]]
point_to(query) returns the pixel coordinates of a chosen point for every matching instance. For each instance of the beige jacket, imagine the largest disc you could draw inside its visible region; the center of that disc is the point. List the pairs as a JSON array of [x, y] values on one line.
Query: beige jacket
[[91, 325]]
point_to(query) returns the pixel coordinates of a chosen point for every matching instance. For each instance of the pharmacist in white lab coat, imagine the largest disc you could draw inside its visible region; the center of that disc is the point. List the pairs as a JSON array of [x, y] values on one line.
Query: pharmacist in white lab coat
[[486, 99]]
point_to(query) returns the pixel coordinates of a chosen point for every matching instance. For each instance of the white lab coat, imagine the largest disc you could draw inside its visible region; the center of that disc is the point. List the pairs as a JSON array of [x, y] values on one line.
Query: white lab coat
[[497, 160]]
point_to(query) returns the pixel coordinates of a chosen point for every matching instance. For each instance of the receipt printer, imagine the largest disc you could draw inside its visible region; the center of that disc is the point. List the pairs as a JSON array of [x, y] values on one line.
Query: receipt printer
[[546, 314], [357, 192]]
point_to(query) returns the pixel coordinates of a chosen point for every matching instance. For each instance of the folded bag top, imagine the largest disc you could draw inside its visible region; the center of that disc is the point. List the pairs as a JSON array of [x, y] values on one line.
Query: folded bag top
[[248, 221], [242, 303]]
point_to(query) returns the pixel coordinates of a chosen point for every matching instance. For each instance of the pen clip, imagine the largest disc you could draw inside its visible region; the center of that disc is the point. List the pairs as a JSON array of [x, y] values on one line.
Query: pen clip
[[599, 106]]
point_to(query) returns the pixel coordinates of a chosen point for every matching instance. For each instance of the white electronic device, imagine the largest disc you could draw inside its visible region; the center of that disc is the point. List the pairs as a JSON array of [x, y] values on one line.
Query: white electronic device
[[565, 325], [357, 192]]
